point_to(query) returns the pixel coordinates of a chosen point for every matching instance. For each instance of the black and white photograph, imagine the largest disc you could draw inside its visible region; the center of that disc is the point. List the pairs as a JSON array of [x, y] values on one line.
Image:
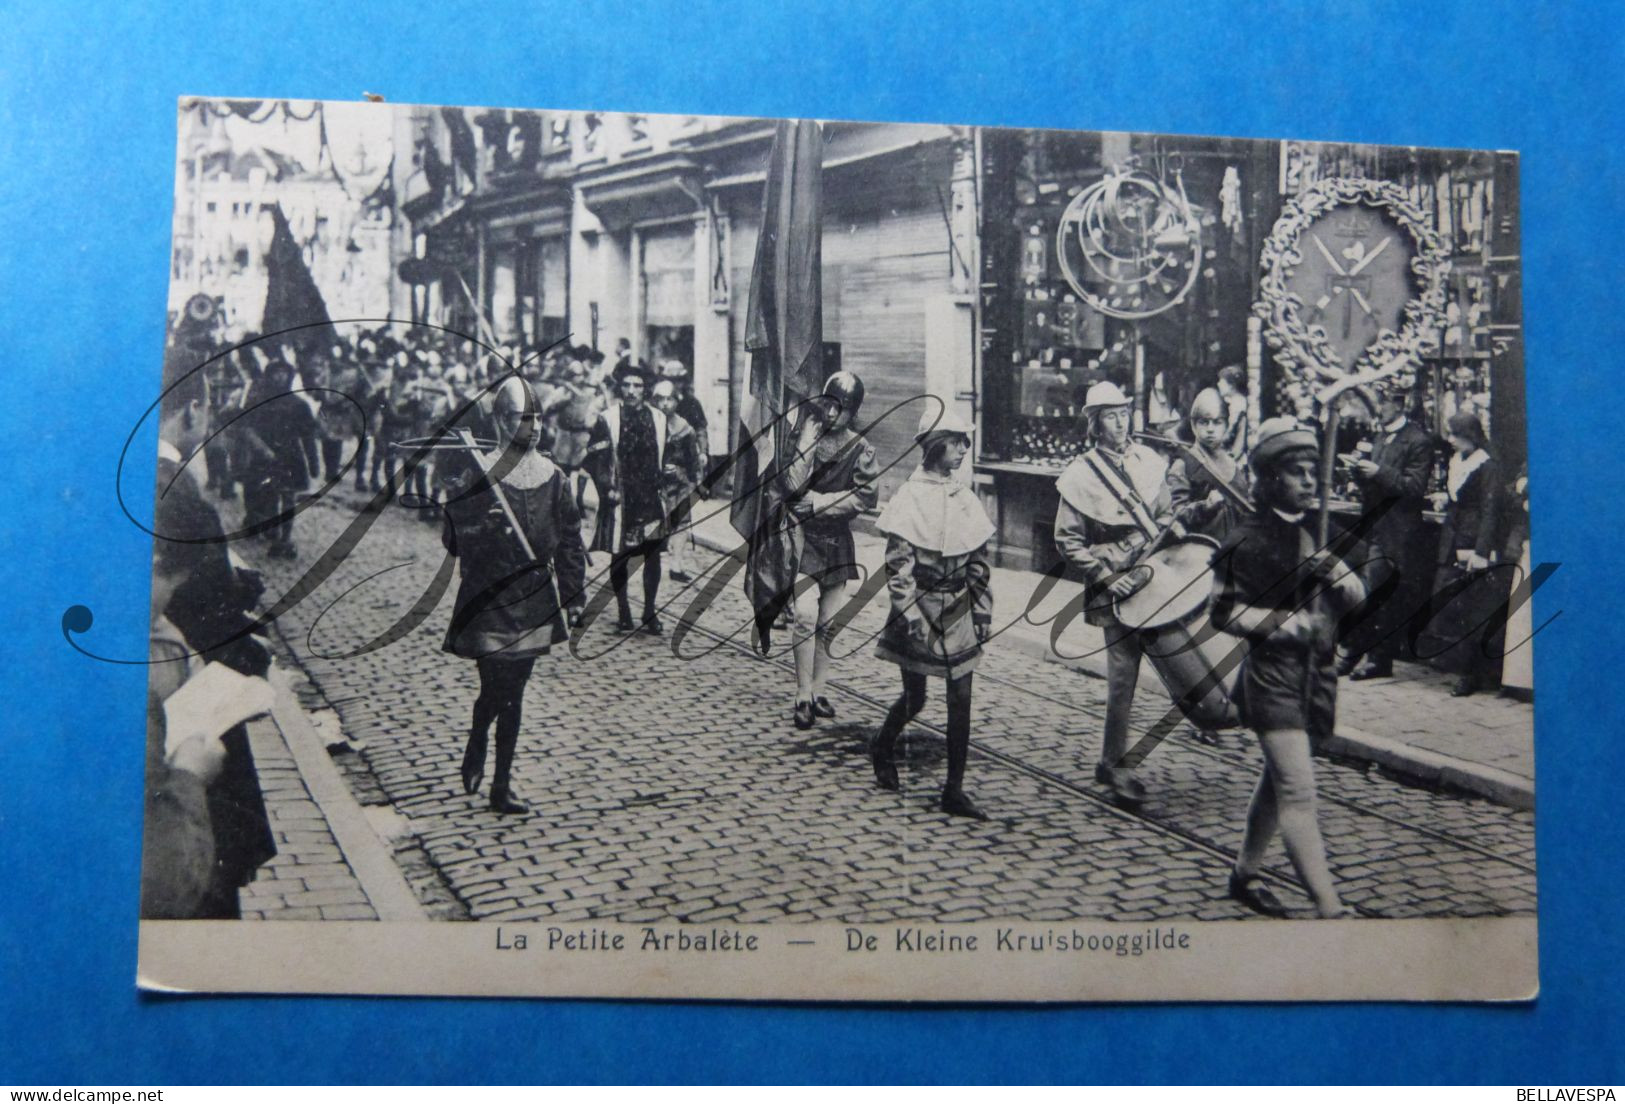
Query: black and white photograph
[[646, 555]]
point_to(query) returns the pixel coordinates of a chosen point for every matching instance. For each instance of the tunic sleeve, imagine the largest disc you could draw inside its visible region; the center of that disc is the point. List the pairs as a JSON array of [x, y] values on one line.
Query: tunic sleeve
[[569, 555], [1190, 505], [979, 577], [600, 459], [1072, 539], [1162, 507], [1226, 586], [863, 495], [900, 579]]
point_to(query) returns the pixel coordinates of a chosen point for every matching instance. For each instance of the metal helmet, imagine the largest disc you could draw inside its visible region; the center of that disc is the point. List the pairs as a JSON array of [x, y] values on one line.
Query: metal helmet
[[846, 389], [514, 394], [1207, 404]]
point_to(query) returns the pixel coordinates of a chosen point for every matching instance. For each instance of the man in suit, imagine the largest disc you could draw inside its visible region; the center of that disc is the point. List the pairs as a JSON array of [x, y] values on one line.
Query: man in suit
[[1399, 559]]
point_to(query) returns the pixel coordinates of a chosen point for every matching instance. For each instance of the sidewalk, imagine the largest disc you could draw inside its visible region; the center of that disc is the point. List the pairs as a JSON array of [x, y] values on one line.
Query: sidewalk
[[330, 863], [1409, 724]]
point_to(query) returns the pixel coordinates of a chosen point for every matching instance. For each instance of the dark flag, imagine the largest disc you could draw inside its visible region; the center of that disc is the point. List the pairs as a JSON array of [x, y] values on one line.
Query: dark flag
[[292, 298], [785, 335], [465, 149]]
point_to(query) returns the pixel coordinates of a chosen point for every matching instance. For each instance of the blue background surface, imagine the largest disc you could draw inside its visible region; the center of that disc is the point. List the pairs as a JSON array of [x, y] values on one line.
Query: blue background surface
[[87, 133]]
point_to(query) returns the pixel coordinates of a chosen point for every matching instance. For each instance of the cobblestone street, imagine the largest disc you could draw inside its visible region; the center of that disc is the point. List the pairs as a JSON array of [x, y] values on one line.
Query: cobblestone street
[[668, 783]]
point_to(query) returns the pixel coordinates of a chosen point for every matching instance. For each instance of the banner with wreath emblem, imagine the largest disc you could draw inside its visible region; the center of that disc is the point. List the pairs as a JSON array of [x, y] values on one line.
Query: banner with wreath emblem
[[1352, 291]]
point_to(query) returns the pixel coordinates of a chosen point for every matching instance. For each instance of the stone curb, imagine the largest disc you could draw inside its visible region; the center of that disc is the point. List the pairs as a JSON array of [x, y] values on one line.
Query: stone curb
[[373, 863], [1427, 768]]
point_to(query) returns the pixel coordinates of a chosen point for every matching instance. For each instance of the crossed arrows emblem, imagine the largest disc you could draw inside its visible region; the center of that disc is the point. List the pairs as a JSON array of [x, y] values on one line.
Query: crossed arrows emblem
[[1348, 283]]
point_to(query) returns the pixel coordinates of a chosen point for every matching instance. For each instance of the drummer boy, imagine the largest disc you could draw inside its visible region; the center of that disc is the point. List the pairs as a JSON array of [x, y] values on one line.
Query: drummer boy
[[1113, 502]]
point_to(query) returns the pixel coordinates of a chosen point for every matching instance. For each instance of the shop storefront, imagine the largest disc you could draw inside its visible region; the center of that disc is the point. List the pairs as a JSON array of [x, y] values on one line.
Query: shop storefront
[[888, 265], [1104, 257], [1141, 260], [666, 292]]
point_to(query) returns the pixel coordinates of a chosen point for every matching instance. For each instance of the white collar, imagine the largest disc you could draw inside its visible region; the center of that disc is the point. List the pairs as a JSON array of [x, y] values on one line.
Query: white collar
[[1290, 519], [1395, 426], [167, 451], [1461, 467]]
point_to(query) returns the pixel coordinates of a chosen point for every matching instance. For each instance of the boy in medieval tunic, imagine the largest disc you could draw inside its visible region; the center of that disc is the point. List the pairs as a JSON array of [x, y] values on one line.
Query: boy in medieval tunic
[[684, 468], [1114, 500], [522, 589], [626, 458], [939, 579], [1193, 490], [1280, 591], [574, 408], [830, 480]]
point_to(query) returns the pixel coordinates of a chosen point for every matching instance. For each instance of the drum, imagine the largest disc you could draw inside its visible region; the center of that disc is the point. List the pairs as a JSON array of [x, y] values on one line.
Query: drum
[[1171, 585], [1186, 669], [1168, 605]]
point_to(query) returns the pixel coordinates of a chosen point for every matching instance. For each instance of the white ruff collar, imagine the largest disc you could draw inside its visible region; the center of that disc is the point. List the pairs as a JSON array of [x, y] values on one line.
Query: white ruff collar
[[532, 470], [1083, 490], [937, 514], [1461, 467]]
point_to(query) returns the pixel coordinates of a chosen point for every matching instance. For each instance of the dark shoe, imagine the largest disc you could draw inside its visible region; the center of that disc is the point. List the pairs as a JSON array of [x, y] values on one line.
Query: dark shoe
[[1252, 892], [1346, 662], [804, 714], [681, 577], [623, 624], [1465, 686], [1371, 669], [504, 804], [883, 758], [822, 707], [955, 803], [1124, 786], [653, 626]]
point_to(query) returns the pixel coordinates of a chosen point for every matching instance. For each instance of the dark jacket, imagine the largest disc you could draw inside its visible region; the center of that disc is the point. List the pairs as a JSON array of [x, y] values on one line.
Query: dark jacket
[[212, 611], [1404, 471], [1473, 518], [1264, 563], [508, 604], [1189, 486]]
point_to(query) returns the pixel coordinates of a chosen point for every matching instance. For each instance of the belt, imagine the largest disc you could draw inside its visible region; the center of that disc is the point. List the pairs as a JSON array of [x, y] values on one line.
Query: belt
[[941, 584]]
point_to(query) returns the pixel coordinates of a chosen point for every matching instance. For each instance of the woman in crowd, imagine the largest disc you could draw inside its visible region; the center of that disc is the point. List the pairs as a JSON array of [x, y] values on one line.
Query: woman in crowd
[[1467, 593], [939, 578]]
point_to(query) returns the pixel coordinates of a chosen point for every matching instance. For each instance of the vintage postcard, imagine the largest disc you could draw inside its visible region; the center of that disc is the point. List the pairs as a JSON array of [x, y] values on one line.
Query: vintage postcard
[[602, 554]]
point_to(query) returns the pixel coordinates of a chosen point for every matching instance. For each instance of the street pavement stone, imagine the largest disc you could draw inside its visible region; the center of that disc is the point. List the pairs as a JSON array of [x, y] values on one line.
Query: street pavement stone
[[667, 782]]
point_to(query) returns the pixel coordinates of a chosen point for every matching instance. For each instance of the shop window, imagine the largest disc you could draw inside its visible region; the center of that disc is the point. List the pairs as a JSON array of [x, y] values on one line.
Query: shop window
[[553, 309], [503, 294], [668, 294]]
